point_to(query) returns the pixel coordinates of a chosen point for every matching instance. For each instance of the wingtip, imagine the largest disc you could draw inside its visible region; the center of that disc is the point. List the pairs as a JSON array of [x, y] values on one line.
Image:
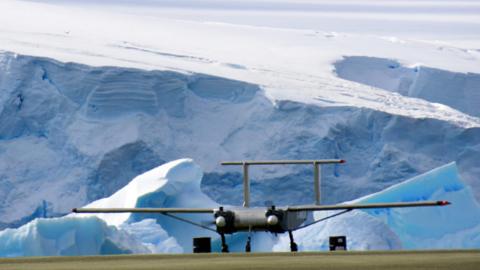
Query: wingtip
[[343, 161], [74, 210], [442, 203]]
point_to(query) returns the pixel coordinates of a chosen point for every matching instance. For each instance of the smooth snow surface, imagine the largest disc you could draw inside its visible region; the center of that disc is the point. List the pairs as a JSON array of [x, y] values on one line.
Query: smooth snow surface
[[249, 42]]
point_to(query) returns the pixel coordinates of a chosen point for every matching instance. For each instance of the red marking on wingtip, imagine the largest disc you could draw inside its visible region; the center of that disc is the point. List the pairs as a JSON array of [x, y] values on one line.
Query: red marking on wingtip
[[342, 161], [444, 202]]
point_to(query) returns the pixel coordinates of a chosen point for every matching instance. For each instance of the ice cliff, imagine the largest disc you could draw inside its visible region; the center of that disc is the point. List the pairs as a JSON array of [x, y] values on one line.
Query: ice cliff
[[71, 134]]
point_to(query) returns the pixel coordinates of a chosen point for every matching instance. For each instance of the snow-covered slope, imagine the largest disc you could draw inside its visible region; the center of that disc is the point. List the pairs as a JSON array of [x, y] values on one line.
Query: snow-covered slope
[[455, 89], [189, 36]]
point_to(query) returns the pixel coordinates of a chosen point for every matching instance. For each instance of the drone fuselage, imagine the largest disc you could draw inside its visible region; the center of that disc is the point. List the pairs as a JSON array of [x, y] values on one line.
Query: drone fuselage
[[257, 219]]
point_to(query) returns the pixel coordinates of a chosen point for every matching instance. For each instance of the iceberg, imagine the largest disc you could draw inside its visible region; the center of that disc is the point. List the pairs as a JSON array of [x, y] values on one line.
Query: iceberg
[[177, 181], [174, 184], [453, 226], [152, 235], [67, 236], [363, 232]]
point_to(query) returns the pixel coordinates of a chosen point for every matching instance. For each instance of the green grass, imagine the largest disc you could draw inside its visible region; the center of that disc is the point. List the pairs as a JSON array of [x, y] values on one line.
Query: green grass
[[453, 259]]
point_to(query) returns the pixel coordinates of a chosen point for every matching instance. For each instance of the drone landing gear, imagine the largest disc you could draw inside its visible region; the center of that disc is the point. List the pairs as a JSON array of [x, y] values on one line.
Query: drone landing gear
[[224, 244], [293, 245], [248, 246]]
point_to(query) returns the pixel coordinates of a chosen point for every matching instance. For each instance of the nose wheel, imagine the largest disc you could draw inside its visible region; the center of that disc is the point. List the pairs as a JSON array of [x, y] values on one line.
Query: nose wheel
[[293, 245]]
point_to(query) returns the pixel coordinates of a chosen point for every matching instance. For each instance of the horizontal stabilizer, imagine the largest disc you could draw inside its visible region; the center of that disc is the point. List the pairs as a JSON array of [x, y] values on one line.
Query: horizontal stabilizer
[[280, 162]]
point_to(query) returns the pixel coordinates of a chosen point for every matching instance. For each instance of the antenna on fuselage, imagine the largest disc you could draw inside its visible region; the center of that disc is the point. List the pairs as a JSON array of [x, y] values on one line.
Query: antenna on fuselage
[[316, 173]]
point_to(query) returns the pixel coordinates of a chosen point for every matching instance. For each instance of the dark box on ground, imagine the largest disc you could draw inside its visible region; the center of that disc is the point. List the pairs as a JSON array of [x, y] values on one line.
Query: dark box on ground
[[338, 243], [202, 245]]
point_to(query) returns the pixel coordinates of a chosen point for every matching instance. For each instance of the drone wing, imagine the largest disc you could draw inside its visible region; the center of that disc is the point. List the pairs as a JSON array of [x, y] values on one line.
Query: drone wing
[[144, 210], [365, 206]]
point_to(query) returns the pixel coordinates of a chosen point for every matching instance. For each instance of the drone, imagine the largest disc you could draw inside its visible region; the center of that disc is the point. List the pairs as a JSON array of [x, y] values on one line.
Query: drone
[[273, 219]]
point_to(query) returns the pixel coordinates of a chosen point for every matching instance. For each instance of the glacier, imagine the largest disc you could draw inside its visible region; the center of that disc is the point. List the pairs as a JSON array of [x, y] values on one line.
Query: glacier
[[177, 184], [51, 148], [455, 89]]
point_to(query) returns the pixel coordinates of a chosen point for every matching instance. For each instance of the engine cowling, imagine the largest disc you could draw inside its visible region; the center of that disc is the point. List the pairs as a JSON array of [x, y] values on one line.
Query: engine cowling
[[225, 221], [275, 218]]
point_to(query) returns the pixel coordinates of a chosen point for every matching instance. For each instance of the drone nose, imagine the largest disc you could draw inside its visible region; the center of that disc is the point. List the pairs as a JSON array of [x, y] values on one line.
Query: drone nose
[[220, 221]]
